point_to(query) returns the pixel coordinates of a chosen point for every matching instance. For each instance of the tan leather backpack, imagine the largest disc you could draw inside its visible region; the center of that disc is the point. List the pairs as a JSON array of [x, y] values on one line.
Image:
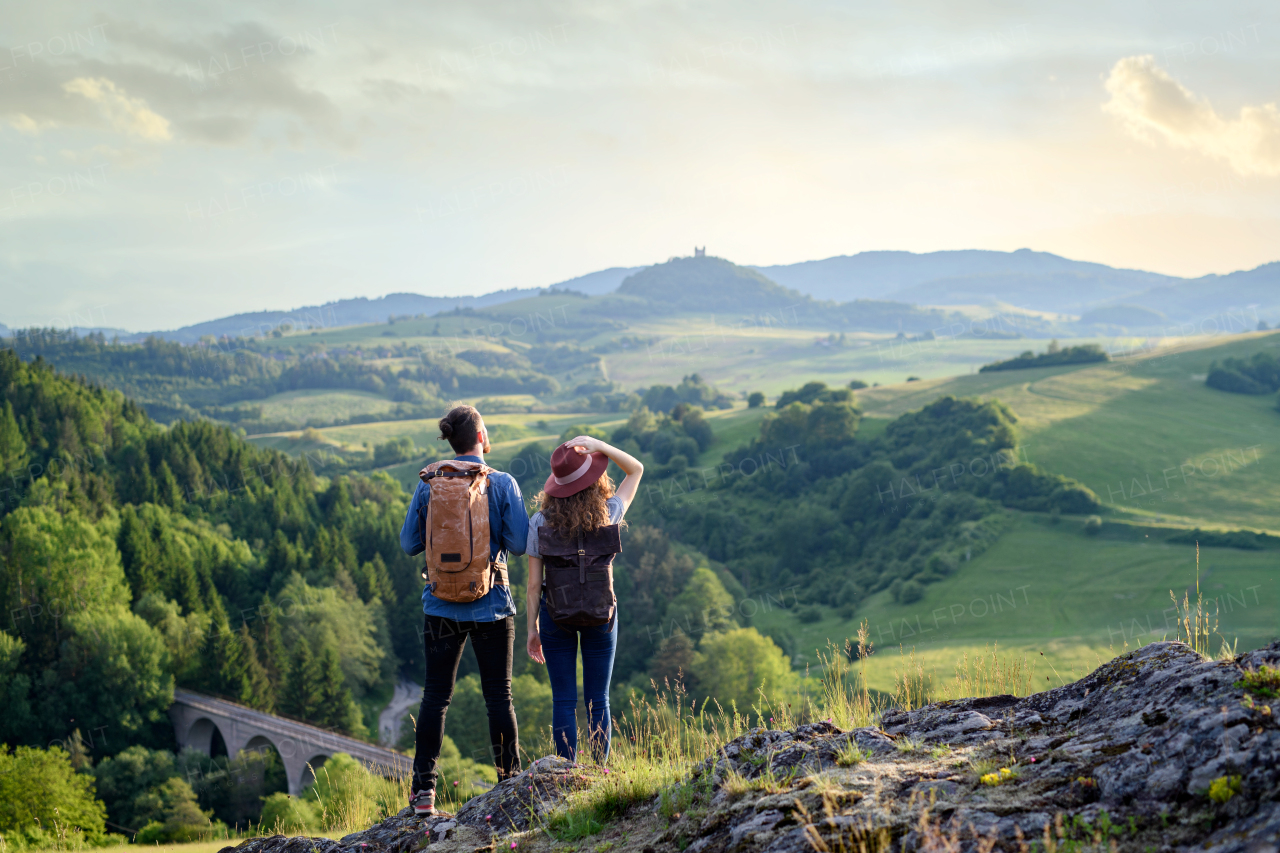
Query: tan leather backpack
[[458, 563]]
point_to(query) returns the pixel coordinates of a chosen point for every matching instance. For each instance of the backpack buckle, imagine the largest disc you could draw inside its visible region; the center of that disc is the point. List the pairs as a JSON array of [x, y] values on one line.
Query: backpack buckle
[[581, 553]]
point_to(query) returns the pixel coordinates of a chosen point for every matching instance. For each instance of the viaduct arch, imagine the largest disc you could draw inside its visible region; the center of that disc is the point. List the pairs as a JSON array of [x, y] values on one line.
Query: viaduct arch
[[196, 716]]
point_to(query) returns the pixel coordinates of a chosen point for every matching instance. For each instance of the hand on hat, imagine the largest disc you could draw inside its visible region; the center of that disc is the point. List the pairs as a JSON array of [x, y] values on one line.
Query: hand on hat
[[585, 444]]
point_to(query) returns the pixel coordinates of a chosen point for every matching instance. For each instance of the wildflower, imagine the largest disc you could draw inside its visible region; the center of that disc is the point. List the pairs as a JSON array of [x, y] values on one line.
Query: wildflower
[[606, 771], [1003, 775], [455, 783], [1033, 759], [513, 845], [488, 817]]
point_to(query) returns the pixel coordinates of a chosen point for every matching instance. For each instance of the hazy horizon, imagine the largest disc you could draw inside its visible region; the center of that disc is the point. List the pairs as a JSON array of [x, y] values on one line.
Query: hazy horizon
[[167, 165]]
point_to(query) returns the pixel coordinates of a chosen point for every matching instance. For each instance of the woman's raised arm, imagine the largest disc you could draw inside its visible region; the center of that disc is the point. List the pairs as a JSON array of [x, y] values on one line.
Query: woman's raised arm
[[632, 467]]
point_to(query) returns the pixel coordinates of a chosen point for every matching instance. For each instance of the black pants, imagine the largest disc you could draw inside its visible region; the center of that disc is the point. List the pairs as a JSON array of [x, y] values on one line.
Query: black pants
[[494, 643]]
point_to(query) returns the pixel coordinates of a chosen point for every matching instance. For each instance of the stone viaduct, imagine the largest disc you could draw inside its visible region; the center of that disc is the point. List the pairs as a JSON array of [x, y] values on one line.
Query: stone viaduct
[[195, 717]]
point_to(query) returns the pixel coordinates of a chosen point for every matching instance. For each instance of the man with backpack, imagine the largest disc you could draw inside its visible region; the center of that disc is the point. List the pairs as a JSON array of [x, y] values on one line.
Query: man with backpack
[[466, 517]]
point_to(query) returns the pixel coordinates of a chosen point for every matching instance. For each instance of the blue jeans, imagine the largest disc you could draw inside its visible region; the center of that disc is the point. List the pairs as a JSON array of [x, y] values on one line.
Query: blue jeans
[[560, 646]]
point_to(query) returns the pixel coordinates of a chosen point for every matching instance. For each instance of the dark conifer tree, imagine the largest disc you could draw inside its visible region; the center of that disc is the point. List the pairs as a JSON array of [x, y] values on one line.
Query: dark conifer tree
[[302, 693], [338, 709], [271, 648], [242, 676]]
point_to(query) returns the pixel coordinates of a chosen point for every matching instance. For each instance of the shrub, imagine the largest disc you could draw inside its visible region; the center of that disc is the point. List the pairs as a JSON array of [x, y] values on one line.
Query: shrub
[[1093, 525], [810, 392], [1083, 354], [288, 815], [911, 591], [395, 451], [177, 818], [1258, 375], [40, 791], [1234, 381], [125, 778], [755, 400], [733, 665], [942, 564], [810, 613]]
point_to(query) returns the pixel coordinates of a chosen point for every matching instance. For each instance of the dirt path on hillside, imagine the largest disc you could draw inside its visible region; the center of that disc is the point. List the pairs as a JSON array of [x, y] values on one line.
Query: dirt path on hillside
[[407, 697]]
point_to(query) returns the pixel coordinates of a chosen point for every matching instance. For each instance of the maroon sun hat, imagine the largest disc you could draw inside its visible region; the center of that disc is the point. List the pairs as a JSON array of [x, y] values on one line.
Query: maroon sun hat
[[571, 471]]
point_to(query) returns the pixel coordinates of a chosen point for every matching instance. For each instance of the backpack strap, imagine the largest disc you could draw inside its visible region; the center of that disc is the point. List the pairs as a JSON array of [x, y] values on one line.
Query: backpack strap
[[582, 559], [451, 468]]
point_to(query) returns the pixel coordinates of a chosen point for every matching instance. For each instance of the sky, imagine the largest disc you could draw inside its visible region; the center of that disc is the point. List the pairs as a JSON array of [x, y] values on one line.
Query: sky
[[167, 163]]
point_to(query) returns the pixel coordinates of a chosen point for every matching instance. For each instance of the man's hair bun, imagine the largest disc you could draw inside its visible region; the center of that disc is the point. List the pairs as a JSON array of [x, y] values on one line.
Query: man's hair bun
[[461, 428]]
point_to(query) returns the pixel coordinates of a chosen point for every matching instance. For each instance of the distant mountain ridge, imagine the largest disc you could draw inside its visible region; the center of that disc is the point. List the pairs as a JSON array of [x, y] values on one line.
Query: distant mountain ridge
[[359, 310], [882, 275], [342, 312], [598, 283], [1037, 281], [1026, 279]]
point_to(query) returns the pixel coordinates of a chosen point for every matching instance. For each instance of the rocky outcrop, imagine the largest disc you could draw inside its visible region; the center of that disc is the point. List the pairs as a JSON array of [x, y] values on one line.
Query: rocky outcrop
[[1129, 754], [1158, 749], [510, 806]]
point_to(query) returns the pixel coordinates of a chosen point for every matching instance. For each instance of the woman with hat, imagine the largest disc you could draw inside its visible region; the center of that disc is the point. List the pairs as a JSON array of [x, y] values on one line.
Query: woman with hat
[[573, 539]]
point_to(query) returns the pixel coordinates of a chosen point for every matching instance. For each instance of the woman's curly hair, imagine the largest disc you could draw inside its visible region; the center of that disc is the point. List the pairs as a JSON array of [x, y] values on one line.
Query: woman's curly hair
[[586, 510]]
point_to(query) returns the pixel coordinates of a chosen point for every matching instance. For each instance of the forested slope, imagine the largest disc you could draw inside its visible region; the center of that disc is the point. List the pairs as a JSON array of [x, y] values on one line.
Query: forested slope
[[134, 557], [225, 380]]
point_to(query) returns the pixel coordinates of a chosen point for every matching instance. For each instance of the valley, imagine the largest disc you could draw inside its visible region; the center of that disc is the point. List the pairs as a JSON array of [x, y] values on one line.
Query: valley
[[813, 470], [1129, 430]]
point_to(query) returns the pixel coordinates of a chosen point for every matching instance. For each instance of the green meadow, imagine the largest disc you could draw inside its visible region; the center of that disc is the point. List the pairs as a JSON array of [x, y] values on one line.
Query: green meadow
[[1051, 588], [323, 404], [755, 358], [1144, 432]]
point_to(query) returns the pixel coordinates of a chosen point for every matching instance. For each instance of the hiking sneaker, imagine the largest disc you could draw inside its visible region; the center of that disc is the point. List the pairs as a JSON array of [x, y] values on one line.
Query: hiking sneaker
[[423, 803]]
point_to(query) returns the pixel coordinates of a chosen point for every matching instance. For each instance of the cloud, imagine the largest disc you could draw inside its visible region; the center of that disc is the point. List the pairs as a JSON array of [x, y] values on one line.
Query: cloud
[[155, 87], [24, 123], [1154, 105], [126, 114]]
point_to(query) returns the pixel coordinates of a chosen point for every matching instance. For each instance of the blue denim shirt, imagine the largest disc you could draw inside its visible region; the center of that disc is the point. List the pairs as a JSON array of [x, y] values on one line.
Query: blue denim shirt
[[508, 532]]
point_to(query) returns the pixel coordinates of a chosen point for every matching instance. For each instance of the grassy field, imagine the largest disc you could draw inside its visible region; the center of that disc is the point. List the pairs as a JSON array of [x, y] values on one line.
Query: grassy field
[[774, 359], [1145, 432], [1050, 588], [322, 404]]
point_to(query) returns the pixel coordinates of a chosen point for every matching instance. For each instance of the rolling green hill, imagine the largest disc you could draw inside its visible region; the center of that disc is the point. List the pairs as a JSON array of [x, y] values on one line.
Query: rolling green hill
[[1144, 432], [1052, 588]]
